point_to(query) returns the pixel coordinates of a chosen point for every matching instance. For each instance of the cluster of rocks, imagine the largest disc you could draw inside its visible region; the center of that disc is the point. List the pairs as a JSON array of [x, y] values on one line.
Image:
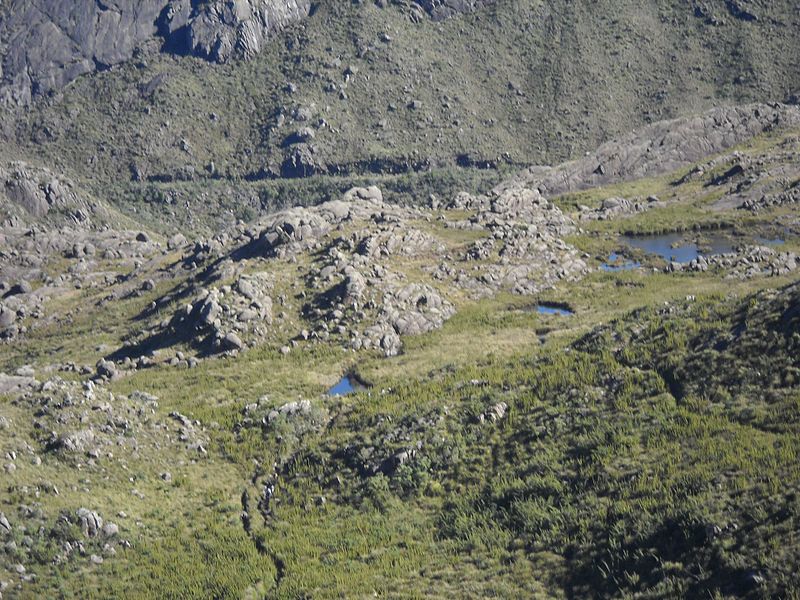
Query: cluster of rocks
[[437, 10], [409, 310], [355, 295], [10, 317], [293, 419], [525, 234], [191, 433], [46, 221], [298, 229], [745, 263], [85, 421], [29, 256], [758, 181], [495, 413], [775, 199], [87, 426], [123, 362], [443, 9], [229, 312], [26, 533], [352, 259], [77, 424], [21, 304], [92, 524], [396, 443], [612, 208]]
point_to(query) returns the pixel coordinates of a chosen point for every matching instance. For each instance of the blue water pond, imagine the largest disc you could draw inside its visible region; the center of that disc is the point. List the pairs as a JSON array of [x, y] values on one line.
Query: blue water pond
[[343, 387], [672, 248], [617, 262], [552, 309]]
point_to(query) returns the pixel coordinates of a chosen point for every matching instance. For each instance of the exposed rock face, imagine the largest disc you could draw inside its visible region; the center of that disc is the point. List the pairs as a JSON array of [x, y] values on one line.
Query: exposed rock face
[[35, 192], [220, 30], [48, 44]]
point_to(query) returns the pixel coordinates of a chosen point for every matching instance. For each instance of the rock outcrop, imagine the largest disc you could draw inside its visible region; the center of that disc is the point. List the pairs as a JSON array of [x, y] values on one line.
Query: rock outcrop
[[660, 148], [443, 9], [744, 263], [366, 273], [46, 45], [35, 194], [221, 30]]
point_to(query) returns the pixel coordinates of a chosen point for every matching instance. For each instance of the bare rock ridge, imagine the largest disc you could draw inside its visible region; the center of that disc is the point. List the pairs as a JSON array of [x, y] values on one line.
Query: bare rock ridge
[[32, 194], [45, 45], [660, 148]]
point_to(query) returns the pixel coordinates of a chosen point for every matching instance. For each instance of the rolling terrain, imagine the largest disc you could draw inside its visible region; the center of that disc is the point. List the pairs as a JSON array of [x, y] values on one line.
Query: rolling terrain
[[541, 405], [399, 299]]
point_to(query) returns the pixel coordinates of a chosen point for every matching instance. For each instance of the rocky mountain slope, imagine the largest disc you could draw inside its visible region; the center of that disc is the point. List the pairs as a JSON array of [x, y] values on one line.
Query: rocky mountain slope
[[362, 94], [48, 45], [399, 298]]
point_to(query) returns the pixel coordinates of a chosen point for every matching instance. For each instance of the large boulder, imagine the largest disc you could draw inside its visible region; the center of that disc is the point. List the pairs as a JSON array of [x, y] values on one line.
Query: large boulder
[[232, 342], [372, 193], [91, 524], [7, 317], [295, 228], [73, 442]]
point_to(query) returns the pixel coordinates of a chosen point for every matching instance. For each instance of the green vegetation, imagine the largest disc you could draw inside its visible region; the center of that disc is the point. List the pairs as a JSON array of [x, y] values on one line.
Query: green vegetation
[[654, 455], [648, 457], [643, 446]]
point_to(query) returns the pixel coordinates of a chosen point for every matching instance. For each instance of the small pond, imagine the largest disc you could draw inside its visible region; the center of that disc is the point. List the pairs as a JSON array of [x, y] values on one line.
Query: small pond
[[553, 309], [673, 247], [617, 262], [346, 385]]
